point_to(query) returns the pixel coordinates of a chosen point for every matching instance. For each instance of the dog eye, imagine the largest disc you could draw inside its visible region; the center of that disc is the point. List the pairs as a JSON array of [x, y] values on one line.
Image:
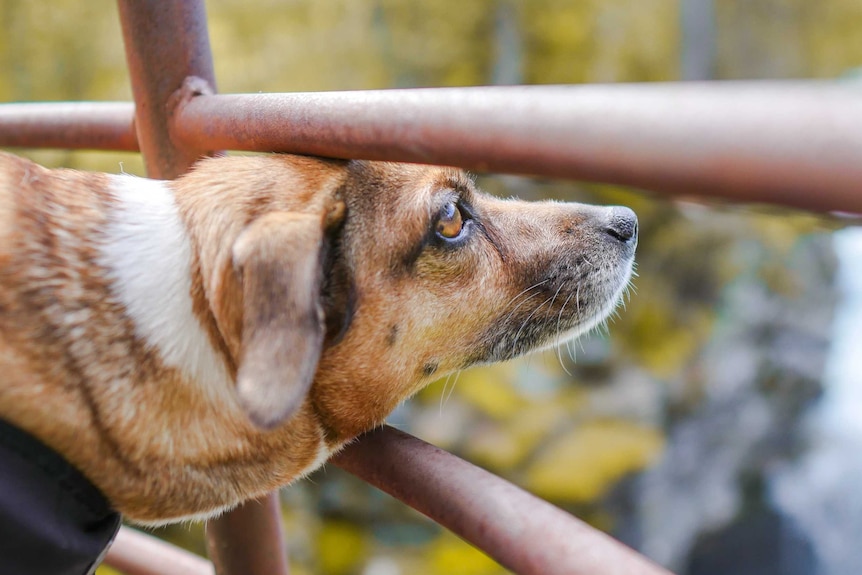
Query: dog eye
[[450, 222]]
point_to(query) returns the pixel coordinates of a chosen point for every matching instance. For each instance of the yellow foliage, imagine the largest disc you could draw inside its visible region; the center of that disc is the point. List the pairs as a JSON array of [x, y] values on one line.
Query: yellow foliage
[[452, 556], [508, 444], [583, 464], [664, 345], [787, 38], [600, 40], [490, 391], [341, 548], [437, 49]]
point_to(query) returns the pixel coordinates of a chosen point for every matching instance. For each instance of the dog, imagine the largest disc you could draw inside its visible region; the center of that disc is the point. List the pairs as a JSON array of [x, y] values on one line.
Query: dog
[[192, 344]]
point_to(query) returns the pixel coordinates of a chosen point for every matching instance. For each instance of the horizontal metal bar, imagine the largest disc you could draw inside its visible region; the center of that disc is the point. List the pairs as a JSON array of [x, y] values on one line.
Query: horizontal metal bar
[[785, 143], [136, 553], [71, 125], [519, 530], [798, 144]]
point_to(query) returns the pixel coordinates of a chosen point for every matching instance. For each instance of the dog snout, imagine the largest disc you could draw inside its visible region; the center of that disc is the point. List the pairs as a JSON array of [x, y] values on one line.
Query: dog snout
[[622, 224]]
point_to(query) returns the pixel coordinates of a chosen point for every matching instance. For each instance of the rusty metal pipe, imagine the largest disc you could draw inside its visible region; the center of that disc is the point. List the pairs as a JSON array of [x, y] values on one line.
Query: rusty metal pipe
[[796, 144], [249, 540], [169, 59], [71, 125], [136, 553], [519, 530], [167, 44]]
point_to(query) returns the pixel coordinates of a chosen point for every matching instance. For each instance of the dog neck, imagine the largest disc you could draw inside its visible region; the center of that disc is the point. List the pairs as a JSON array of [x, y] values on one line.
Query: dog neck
[[148, 255]]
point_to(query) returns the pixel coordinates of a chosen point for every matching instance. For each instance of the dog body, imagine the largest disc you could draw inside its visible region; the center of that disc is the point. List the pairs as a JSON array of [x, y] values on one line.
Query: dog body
[[191, 344]]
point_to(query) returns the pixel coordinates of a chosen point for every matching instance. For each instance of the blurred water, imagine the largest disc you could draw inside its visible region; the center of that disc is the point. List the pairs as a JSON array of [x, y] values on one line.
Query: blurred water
[[823, 490], [840, 412]]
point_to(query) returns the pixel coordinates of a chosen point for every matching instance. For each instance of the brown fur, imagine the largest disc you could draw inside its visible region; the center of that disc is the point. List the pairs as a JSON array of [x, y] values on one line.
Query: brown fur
[[320, 284]]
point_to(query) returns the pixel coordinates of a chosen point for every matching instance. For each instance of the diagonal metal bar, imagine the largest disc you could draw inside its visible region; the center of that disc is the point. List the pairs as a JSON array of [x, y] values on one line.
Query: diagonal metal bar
[[796, 144], [521, 531], [136, 553]]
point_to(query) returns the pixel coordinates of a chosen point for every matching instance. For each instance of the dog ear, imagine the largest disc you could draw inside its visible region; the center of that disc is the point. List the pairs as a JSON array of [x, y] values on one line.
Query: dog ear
[[277, 259]]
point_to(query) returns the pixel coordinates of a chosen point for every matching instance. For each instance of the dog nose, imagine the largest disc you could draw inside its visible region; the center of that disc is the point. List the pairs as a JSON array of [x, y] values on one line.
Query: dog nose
[[622, 224]]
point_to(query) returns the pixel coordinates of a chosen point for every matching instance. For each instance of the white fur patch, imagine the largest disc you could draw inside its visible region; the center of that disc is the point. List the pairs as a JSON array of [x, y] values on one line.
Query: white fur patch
[[148, 256]]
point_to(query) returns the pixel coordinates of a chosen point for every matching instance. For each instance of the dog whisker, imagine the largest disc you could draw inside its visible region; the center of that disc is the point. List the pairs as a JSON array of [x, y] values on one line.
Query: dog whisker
[[559, 351], [557, 329], [570, 346], [578, 300], [511, 301], [525, 300], [454, 383], [525, 322], [443, 393], [556, 293]]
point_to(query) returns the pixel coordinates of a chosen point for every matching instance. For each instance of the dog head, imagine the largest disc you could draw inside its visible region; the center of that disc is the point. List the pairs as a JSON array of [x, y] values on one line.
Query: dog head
[[350, 285], [191, 344]]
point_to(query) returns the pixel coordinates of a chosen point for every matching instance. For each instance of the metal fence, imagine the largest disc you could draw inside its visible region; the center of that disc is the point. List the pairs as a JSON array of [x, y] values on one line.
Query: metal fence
[[796, 144]]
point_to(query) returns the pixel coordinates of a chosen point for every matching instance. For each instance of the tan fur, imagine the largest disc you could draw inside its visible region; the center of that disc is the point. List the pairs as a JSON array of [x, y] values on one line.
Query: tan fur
[[320, 285]]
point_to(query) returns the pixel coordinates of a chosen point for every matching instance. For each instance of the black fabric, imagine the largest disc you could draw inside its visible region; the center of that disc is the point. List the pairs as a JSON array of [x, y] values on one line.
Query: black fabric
[[53, 521]]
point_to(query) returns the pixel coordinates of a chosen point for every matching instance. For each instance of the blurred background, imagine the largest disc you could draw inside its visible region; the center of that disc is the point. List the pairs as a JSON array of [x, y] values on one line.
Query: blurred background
[[716, 425]]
